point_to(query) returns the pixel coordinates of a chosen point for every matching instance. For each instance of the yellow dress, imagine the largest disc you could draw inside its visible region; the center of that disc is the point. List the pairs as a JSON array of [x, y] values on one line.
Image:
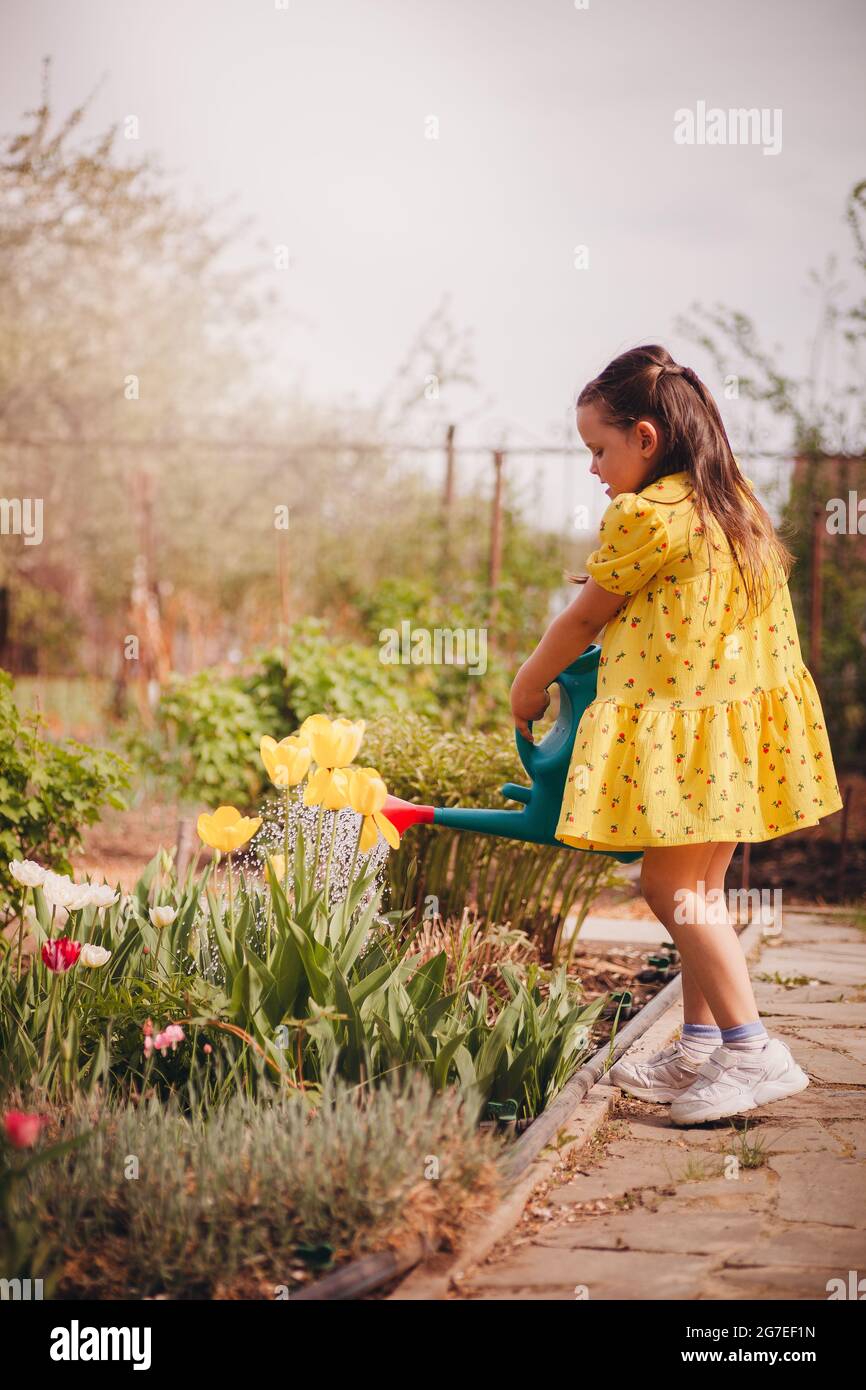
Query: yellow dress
[[706, 725]]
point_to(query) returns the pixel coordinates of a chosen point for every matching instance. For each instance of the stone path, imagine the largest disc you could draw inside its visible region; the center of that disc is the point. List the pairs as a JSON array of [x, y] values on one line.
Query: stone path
[[654, 1211]]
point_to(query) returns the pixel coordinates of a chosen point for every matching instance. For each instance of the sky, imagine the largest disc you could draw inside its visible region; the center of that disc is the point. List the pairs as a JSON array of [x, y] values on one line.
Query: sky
[[555, 128]]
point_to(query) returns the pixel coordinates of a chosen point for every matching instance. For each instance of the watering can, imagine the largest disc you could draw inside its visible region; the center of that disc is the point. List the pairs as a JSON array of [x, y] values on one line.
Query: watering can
[[547, 764]]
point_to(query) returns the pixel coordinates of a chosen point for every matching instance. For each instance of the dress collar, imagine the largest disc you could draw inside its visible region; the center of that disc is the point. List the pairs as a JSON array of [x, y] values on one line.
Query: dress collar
[[673, 487]]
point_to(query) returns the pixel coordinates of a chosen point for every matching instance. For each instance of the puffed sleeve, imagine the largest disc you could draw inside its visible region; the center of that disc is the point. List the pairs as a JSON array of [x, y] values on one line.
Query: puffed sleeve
[[633, 545]]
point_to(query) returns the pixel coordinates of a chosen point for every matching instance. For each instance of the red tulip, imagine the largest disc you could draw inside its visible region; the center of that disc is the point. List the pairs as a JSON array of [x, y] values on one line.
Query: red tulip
[[22, 1130], [61, 954]]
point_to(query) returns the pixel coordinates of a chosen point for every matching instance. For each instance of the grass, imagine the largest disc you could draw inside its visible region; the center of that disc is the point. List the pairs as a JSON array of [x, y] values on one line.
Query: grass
[[251, 1198]]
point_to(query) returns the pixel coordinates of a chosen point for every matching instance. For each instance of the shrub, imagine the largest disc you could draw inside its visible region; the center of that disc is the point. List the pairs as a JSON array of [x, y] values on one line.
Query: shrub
[[317, 673], [237, 1201], [534, 887], [205, 741], [48, 791]]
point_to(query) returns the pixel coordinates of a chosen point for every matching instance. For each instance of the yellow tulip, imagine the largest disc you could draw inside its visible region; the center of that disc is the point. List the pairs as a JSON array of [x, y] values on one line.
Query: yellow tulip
[[286, 762], [277, 864], [328, 787], [226, 829], [332, 742], [367, 792]]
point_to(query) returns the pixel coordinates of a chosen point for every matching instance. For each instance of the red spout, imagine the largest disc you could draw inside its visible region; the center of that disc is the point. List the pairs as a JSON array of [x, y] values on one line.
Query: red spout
[[402, 813]]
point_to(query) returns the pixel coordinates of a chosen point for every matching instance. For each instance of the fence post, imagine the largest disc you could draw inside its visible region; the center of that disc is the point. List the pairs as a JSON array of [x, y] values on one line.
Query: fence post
[[495, 566], [448, 505], [183, 853]]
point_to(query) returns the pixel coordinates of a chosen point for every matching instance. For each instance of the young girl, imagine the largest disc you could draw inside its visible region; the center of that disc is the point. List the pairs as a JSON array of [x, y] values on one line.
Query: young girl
[[706, 730]]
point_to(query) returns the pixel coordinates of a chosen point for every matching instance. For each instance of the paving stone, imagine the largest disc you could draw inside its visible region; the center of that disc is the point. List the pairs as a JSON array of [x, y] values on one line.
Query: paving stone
[[830, 965], [852, 1134], [631, 1274], [817, 1102], [831, 1190], [657, 1128], [786, 1013], [777, 1232], [552, 1295], [721, 1193], [849, 1040], [771, 1282], [767, 994], [637, 1165], [797, 930], [798, 1136], [620, 1176], [818, 1060], [707, 1233], [807, 1243]]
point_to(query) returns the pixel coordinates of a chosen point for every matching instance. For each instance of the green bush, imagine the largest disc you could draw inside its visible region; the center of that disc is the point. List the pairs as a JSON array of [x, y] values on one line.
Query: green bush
[[204, 746], [317, 674], [535, 887], [48, 791], [248, 1199]]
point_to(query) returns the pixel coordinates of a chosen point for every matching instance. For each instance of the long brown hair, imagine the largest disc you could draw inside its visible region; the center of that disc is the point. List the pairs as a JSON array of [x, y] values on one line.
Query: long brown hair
[[646, 382]]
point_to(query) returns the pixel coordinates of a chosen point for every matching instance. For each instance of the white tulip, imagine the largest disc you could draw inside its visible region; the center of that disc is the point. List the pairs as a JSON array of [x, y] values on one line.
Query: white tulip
[[100, 896], [162, 916], [60, 891], [81, 898], [94, 956], [27, 872]]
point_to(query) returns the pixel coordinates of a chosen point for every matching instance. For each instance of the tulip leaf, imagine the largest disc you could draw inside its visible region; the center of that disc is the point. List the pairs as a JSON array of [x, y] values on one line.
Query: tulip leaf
[[317, 979], [444, 1058]]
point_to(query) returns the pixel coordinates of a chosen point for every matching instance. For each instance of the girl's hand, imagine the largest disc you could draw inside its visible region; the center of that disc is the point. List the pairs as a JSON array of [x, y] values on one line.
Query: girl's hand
[[527, 702]]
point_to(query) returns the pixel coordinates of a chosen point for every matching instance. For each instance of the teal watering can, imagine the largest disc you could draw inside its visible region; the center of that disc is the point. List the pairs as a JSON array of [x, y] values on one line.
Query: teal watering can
[[547, 764]]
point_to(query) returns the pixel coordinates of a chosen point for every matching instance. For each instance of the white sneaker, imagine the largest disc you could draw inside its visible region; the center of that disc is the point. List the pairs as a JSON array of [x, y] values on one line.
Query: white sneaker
[[731, 1082], [658, 1079]]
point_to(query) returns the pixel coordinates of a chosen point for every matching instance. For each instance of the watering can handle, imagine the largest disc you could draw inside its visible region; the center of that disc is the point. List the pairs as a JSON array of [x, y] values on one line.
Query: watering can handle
[[530, 722], [581, 671]]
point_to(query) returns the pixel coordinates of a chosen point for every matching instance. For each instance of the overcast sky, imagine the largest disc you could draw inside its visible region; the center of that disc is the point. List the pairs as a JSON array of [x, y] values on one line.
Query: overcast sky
[[555, 129]]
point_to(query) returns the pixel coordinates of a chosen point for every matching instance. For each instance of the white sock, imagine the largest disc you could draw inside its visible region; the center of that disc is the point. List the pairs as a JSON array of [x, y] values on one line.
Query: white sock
[[746, 1037], [699, 1041]]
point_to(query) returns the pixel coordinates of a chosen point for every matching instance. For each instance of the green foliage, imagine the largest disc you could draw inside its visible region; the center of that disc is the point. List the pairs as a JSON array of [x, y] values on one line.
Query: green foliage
[[239, 1199], [48, 791], [285, 991], [843, 632], [421, 761], [23, 1252], [316, 673], [535, 887], [532, 1049], [823, 410], [204, 744]]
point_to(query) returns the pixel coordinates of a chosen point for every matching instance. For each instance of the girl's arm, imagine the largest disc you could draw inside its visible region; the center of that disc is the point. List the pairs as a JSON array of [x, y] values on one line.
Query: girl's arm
[[570, 633]]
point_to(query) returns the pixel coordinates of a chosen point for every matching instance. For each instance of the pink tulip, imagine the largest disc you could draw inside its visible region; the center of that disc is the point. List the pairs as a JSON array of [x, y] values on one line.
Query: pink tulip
[[60, 954], [168, 1037], [22, 1130], [174, 1034]]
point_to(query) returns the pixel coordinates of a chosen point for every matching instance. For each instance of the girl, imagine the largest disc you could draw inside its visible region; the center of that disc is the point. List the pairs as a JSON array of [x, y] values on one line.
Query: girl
[[706, 730]]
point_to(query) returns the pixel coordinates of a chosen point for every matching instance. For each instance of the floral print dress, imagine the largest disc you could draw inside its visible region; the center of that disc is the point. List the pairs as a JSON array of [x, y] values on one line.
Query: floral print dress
[[706, 725]]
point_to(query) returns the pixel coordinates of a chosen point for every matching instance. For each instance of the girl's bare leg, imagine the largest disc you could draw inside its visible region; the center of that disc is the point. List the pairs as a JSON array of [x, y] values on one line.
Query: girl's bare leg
[[718, 977], [695, 1007]]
